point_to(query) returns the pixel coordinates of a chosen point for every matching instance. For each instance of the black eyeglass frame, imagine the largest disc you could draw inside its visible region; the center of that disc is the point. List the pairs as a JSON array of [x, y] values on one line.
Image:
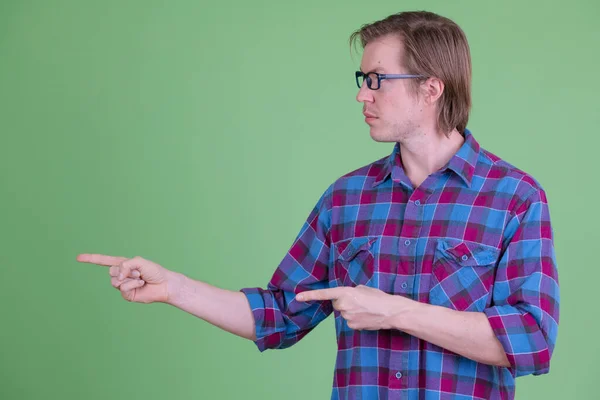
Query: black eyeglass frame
[[380, 77]]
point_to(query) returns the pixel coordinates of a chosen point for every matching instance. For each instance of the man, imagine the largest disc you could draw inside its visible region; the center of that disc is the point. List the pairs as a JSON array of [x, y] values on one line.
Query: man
[[437, 261]]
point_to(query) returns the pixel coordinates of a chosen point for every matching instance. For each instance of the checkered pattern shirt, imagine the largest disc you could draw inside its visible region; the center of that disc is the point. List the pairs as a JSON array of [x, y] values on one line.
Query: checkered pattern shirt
[[475, 236]]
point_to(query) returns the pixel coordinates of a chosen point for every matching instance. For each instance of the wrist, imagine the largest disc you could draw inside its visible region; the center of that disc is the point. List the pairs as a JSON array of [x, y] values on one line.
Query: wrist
[[402, 310], [175, 288]]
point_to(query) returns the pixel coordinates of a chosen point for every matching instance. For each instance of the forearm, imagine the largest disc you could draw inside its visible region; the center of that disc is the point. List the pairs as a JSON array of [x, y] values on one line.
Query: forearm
[[223, 308], [466, 333]]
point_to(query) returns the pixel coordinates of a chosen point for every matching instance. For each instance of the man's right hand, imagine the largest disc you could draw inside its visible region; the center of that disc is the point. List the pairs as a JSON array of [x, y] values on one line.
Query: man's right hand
[[143, 281], [138, 279]]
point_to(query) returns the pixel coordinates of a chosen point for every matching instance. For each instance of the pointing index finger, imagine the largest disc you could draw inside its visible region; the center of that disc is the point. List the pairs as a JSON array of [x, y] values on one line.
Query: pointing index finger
[[100, 259], [320, 294]]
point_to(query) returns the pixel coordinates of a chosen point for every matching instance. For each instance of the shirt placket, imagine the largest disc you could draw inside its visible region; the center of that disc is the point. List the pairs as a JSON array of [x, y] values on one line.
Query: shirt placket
[[412, 224]]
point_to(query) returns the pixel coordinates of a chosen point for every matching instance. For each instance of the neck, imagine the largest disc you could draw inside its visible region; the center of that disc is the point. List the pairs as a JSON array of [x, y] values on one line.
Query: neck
[[426, 152]]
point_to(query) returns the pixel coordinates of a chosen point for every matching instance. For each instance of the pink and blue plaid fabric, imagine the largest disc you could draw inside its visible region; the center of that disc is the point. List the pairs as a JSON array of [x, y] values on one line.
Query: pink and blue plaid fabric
[[475, 236]]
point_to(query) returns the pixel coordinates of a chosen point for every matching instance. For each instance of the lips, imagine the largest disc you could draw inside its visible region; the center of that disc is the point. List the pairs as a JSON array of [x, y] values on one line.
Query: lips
[[368, 115]]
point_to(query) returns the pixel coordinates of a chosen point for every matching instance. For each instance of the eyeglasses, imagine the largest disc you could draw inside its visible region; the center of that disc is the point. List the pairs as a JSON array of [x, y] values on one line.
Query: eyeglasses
[[374, 79]]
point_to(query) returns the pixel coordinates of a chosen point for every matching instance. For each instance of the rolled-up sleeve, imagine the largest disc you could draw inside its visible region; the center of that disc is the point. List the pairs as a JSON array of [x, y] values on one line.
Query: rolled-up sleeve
[[525, 309], [280, 320]]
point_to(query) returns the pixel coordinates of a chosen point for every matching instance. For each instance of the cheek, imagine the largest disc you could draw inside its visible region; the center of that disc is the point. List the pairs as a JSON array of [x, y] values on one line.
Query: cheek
[[395, 110], [395, 100], [388, 105]]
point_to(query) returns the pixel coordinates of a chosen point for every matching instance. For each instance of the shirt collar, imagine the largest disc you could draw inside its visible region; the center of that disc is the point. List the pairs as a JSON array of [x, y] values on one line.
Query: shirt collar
[[462, 163]]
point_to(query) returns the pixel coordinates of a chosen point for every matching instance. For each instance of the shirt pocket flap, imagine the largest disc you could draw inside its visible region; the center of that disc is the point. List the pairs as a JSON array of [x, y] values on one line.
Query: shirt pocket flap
[[349, 248], [467, 254]]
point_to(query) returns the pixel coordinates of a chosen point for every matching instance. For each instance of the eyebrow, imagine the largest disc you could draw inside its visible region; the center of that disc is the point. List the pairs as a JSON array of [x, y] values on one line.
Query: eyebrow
[[378, 70]]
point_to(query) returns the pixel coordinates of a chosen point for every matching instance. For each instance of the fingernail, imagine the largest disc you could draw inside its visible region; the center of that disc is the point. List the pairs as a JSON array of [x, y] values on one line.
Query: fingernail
[[120, 276]]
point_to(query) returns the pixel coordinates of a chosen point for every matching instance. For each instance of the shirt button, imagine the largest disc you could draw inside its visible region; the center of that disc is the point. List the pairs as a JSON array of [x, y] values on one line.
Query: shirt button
[[398, 374], [418, 202], [465, 257], [404, 285], [406, 242]]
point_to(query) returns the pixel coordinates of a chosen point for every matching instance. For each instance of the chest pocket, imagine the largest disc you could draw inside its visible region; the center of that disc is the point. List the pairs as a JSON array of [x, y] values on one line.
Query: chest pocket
[[355, 261], [462, 275]]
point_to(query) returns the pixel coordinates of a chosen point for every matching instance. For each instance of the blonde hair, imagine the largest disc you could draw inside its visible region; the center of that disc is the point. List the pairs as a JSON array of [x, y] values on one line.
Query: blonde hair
[[434, 46]]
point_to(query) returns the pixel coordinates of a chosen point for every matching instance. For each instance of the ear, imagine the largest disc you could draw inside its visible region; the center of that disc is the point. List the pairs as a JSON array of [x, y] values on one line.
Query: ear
[[432, 90]]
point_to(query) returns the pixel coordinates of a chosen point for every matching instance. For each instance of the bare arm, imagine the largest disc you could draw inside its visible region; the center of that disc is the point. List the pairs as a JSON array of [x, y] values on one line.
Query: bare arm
[[466, 333], [226, 309], [143, 281]]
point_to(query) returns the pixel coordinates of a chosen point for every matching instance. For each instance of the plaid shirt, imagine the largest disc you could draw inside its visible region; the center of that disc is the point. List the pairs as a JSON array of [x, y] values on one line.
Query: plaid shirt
[[474, 236]]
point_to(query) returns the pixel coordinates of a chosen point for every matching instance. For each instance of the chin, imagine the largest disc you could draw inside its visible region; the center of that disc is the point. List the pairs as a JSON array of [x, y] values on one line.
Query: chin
[[380, 136]]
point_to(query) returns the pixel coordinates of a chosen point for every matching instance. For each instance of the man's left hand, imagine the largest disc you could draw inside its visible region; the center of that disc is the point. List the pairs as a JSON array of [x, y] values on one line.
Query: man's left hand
[[363, 307]]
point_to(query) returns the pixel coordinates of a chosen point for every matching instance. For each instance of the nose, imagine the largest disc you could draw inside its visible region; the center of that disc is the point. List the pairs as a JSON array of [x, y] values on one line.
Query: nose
[[364, 94]]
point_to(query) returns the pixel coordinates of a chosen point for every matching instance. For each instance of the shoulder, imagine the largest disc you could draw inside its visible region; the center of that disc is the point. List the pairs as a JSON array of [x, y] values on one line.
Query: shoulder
[[506, 179], [353, 182], [361, 177]]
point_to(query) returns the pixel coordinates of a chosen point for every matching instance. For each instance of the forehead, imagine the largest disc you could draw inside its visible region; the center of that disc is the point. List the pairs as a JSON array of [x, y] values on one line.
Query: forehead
[[382, 54]]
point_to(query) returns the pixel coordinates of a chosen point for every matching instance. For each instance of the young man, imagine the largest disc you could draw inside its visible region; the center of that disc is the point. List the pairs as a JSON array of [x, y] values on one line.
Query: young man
[[437, 261]]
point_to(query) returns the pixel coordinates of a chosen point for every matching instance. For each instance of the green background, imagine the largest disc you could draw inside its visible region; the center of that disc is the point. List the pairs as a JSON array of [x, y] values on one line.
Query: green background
[[200, 135]]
